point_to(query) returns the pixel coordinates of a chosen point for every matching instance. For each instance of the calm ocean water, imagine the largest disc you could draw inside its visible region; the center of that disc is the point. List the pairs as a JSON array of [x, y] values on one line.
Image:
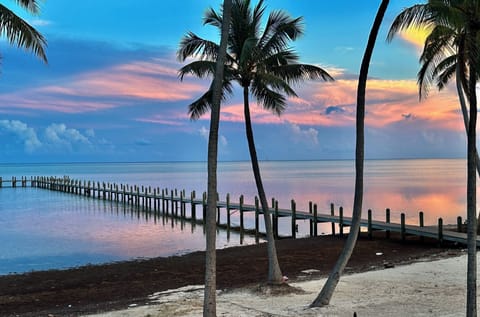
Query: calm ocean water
[[43, 230]]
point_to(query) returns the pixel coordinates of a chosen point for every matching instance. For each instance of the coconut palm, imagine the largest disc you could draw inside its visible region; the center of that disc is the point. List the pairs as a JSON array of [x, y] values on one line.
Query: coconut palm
[[261, 62], [326, 293], [452, 49], [21, 34], [209, 302]]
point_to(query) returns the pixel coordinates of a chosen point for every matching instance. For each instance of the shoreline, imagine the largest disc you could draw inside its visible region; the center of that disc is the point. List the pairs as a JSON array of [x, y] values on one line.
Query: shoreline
[[103, 288]]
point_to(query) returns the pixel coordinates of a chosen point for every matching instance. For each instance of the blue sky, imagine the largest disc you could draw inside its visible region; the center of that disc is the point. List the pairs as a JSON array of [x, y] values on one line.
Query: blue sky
[[111, 90]]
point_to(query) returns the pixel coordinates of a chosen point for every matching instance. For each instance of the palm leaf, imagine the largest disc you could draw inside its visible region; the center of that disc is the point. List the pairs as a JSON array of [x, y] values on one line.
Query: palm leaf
[[193, 46], [199, 69], [21, 34]]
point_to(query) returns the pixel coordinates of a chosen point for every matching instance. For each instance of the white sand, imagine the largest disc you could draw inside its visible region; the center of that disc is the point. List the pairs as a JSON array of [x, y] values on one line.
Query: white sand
[[435, 288]]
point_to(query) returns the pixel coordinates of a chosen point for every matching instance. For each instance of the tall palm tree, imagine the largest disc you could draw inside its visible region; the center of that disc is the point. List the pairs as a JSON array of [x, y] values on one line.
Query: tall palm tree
[[21, 34], [261, 62], [452, 49], [210, 301], [326, 293]]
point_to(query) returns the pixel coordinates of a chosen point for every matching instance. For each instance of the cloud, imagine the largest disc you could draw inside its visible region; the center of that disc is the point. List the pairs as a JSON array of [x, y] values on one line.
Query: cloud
[[415, 37], [40, 22], [60, 135], [205, 133], [23, 132], [334, 109], [308, 136]]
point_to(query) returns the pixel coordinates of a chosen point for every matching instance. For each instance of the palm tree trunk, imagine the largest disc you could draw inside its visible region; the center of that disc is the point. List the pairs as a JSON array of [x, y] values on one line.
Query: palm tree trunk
[[274, 273], [463, 106], [210, 300], [327, 291], [472, 188]]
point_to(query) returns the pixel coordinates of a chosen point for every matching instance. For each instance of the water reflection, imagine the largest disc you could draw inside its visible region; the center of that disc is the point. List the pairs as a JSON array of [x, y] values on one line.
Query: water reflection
[[42, 229], [56, 230]]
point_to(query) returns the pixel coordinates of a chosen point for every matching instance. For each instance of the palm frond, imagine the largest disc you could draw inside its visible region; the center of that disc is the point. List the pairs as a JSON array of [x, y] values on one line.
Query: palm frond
[[280, 29], [417, 16], [19, 33], [199, 69], [267, 97], [192, 45], [32, 6], [213, 18], [203, 104], [295, 73]]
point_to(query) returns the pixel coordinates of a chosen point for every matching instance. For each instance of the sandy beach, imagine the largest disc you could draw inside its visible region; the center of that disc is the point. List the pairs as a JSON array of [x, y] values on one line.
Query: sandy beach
[[427, 279], [423, 288]]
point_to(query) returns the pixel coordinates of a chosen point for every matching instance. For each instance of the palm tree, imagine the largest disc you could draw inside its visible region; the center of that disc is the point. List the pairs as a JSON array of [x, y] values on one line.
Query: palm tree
[[452, 49], [209, 303], [21, 34], [263, 64], [326, 293]]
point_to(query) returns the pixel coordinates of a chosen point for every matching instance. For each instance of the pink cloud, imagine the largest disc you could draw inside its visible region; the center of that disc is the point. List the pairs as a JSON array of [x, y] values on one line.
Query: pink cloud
[[107, 88]]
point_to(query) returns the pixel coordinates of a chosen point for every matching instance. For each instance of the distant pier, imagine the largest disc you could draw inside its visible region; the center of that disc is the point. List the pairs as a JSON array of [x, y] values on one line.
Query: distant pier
[[174, 203]]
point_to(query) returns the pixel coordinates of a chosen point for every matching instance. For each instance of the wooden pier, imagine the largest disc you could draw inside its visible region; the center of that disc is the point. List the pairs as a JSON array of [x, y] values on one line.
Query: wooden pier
[[174, 203]]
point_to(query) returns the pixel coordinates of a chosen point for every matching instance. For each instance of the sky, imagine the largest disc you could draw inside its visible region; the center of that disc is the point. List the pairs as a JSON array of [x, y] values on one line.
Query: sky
[[111, 90]]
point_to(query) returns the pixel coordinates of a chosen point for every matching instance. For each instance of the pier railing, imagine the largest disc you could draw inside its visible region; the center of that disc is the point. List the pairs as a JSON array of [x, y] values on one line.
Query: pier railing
[[174, 203]]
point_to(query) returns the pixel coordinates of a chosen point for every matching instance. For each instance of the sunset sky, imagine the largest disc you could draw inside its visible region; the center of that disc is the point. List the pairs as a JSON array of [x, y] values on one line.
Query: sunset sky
[[111, 90]]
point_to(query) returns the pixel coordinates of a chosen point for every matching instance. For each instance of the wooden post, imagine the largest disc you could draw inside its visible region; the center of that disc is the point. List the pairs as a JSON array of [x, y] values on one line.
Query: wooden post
[[315, 220], [310, 211], [387, 220], [218, 211], [459, 224], [340, 224], [332, 213], [172, 203], [241, 216], [420, 216], [294, 219], [275, 223], [369, 224], [440, 230], [228, 211], [193, 211], [402, 225], [204, 203], [182, 206]]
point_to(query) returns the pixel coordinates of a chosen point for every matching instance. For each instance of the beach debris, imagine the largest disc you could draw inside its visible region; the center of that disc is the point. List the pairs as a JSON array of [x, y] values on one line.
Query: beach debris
[[388, 265], [132, 305], [310, 271], [284, 278], [379, 253]]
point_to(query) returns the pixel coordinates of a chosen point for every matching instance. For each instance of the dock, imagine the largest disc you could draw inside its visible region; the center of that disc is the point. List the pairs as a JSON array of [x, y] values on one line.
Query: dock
[[174, 203]]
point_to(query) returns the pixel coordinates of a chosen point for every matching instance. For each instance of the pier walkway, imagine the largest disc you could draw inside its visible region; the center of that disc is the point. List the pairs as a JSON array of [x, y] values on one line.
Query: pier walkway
[[174, 203]]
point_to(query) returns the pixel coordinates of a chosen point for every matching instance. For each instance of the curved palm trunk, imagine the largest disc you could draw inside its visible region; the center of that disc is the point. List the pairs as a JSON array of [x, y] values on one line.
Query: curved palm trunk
[[210, 300], [327, 291], [472, 191], [463, 106], [274, 272]]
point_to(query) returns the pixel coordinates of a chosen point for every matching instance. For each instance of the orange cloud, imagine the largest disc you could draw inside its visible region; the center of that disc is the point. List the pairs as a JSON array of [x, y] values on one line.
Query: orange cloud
[[107, 88]]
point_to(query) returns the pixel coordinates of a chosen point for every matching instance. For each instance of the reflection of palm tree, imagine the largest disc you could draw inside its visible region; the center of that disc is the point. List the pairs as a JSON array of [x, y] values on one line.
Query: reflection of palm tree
[[451, 49], [19, 33], [327, 291], [210, 300], [263, 65]]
